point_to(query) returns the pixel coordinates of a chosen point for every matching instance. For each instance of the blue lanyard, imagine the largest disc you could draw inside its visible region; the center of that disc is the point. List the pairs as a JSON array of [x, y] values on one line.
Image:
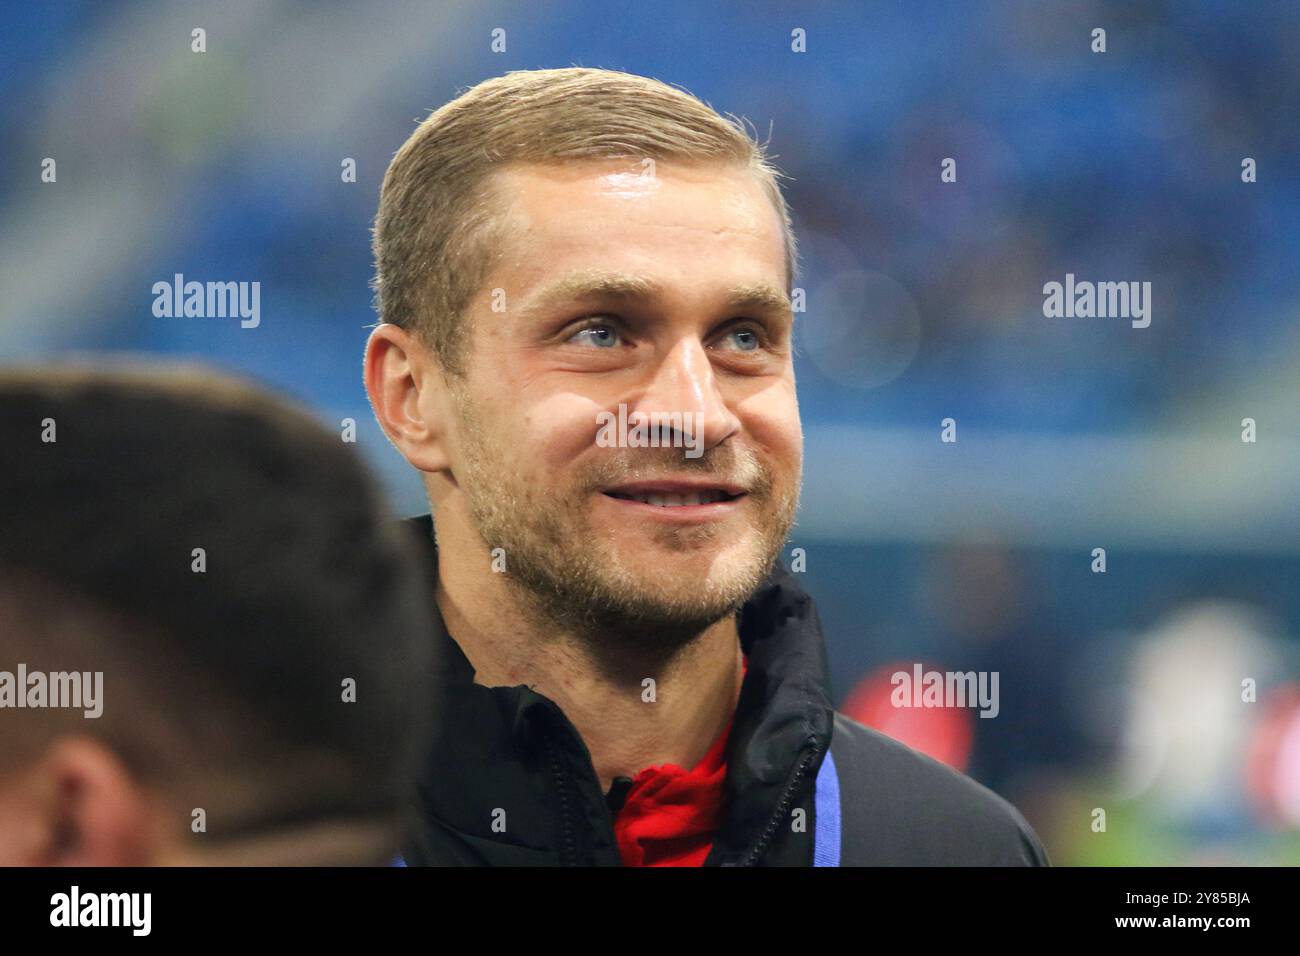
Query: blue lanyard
[[826, 826]]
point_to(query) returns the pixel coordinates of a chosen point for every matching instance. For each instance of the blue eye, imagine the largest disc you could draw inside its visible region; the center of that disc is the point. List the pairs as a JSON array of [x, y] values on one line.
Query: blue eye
[[601, 336], [747, 339]]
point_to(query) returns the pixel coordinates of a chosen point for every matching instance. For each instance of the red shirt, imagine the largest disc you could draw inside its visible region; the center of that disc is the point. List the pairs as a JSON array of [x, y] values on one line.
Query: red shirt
[[670, 815]]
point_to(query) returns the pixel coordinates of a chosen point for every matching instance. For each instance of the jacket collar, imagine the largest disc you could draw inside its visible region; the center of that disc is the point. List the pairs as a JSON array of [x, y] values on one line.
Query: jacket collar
[[782, 724]]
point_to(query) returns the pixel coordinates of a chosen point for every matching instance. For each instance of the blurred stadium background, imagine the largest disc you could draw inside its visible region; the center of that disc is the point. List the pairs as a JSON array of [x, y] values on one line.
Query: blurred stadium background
[[1120, 691]]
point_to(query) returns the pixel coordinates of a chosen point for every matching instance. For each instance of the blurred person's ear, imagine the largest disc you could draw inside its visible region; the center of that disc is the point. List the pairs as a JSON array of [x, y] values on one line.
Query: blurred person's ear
[[77, 805], [409, 394]]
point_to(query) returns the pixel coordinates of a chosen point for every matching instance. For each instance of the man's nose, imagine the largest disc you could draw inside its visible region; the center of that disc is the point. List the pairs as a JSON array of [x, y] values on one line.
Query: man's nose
[[684, 382]]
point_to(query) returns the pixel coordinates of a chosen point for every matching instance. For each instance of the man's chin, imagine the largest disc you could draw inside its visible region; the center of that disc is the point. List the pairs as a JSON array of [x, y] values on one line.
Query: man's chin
[[681, 595], [668, 569]]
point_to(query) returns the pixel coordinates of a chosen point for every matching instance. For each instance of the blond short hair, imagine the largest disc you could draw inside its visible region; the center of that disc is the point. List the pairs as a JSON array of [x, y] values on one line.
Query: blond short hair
[[434, 238]]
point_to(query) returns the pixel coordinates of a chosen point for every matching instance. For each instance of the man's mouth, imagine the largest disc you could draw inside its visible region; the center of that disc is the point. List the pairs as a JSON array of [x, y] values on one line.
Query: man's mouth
[[676, 494]]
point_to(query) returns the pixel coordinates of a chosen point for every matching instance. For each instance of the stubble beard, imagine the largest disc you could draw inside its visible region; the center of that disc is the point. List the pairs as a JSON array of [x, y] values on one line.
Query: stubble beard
[[569, 577]]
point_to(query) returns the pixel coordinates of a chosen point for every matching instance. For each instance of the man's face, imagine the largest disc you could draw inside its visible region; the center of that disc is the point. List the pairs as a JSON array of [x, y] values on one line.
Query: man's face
[[662, 291]]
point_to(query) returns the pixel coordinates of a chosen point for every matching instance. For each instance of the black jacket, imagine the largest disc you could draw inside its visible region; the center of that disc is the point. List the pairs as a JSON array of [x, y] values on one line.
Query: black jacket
[[508, 754]]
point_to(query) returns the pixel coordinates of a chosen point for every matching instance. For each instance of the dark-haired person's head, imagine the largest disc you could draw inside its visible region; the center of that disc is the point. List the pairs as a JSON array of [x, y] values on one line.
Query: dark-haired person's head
[[211, 633]]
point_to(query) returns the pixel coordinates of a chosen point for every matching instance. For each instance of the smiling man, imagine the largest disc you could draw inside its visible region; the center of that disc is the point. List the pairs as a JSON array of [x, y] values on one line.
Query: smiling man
[[630, 675]]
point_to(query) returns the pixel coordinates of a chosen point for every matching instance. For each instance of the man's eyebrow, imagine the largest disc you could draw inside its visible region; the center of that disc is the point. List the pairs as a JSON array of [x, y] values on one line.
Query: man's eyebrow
[[759, 297], [579, 286]]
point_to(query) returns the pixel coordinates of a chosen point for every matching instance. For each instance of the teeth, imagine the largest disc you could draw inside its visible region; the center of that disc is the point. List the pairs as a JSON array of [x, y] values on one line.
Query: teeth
[[678, 501]]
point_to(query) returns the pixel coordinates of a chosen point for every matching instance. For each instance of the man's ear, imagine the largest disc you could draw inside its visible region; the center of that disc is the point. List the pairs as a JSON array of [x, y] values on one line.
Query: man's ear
[[409, 394], [87, 809]]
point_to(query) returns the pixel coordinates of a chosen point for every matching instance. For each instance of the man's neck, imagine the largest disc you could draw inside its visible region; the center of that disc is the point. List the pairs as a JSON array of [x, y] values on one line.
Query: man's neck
[[602, 687]]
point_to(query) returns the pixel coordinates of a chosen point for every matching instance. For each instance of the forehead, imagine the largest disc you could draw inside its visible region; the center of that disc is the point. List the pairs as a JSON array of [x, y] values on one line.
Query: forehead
[[669, 221]]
